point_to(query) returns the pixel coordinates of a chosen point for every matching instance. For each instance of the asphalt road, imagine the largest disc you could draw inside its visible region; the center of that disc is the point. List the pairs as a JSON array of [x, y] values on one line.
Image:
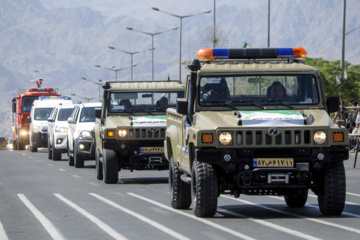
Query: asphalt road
[[45, 199]]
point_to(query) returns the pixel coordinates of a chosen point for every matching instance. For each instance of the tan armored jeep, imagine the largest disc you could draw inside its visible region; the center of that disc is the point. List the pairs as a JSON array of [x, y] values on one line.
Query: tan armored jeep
[[256, 122], [130, 127]]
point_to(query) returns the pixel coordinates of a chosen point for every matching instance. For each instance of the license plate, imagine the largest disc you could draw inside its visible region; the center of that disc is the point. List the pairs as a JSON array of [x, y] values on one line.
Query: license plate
[[151, 149], [273, 162]]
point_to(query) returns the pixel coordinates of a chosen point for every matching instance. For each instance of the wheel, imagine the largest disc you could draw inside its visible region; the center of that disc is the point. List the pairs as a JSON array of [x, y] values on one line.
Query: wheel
[[78, 160], [70, 158], [49, 149], [56, 154], [297, 200], [204, 189], [180, 191], [110, 166], [15, 146], [99, 167], [33, 148], [331, 197]]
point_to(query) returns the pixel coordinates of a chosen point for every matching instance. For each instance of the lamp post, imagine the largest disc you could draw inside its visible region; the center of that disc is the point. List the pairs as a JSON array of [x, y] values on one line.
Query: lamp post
[[97, 83], [113, 68], [152, 42], [344, 33], [181, 18], [131, 58], [88, 99]]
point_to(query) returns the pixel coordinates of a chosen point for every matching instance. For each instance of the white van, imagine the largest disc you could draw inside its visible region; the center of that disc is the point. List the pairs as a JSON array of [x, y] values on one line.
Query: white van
[[39, 115], [57, 131]]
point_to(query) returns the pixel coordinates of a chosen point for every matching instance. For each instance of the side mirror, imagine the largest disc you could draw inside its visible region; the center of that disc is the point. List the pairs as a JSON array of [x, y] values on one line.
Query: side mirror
[[71, 120], [97, 113], [181, 106], [29, 119], [50, 119], [333, 104]]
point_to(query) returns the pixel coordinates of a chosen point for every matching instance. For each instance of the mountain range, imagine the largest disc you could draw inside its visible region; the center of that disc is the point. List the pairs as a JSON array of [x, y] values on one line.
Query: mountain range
[[62, 41]]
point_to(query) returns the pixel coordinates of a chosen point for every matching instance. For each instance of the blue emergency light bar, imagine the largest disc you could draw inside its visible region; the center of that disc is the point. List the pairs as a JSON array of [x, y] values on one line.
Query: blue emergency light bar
[[250, 53], [54, 97]]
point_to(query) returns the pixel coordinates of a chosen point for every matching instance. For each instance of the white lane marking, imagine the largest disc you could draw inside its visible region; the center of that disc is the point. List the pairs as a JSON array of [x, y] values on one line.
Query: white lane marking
[[271, 225], [353, 194], [142, 218], [76, 176], [92, 218], [346, 202], [31, 157], [23, 154], [63, 170], [212, 224], [49, 227], [299, 216], [3, 233], [50, 165]]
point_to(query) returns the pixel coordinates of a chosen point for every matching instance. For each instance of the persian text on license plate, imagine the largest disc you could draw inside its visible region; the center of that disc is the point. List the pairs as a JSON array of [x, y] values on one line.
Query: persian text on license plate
[[151, 149], [273, 162]]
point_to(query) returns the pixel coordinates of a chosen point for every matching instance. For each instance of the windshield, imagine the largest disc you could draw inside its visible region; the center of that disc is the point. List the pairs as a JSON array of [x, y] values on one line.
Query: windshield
[[42, 113], [87, 114], [151, 101], [64, 114], [258, 90], [27, 103]]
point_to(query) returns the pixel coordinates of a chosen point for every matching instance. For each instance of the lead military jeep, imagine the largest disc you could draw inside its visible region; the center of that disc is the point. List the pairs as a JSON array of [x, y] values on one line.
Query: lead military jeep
[[130, 127], [255, 122]]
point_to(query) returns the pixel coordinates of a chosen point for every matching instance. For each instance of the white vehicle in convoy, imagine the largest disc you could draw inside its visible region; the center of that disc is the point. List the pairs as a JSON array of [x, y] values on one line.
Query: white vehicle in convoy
[[57, 130], [80, 134], [40, 111]]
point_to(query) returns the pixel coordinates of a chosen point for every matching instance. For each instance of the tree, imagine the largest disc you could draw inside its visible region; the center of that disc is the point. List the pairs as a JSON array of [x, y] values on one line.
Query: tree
[[348, 88]]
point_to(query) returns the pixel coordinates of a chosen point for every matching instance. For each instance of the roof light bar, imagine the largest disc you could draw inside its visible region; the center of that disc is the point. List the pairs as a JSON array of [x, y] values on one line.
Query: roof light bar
[[250, 53]]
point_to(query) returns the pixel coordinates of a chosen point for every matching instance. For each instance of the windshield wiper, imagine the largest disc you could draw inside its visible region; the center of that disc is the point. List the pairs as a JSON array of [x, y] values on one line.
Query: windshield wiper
[[251, 102], [270, 100]]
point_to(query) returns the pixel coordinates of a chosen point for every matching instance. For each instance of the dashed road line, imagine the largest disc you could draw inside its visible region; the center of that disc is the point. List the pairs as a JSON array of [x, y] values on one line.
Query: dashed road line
[[141, 217], [3, 233], [106, 228], [271, 225], [354, 230], [207, 222], [49, 227]]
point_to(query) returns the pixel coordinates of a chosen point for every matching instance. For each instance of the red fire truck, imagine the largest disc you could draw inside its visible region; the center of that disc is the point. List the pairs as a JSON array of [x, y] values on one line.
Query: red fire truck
[[21, 106]]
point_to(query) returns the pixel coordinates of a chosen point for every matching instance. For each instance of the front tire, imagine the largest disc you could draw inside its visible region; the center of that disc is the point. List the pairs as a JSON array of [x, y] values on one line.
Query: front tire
[[331, 197], [204, 189], [70, 158], [110, 167], [56, 154], [49, 149], [180, 191], [297, 200], [99, 167], [78, 160]]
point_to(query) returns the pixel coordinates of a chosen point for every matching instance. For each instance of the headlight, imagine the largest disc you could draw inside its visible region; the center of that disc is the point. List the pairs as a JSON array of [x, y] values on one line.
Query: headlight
[[36, 128], [23, 132], [122, 133], [61, 129], [225, 138], [319, 137], [86, 134]]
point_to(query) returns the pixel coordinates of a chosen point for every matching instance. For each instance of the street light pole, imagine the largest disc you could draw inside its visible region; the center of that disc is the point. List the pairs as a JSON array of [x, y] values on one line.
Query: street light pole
[[131, 58], [99, 83], [115, 69], [268, 23], [181, 18], [152, 42]]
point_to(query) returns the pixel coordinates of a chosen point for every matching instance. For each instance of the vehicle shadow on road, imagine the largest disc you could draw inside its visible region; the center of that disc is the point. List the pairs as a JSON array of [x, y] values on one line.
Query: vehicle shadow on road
[[144, 180]]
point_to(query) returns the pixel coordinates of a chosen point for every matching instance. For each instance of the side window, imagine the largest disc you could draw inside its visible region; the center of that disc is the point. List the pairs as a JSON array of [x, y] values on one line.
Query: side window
[[77, 114]]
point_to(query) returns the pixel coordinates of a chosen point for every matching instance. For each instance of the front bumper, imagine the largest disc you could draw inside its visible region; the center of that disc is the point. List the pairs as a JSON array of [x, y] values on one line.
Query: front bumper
[[40, 139], [135, 159], [239, 168], [60, 141], [85, 148]]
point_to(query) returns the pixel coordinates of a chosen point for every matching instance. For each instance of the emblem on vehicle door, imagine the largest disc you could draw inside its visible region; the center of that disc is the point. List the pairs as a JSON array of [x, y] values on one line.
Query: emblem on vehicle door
[[273, 131]]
